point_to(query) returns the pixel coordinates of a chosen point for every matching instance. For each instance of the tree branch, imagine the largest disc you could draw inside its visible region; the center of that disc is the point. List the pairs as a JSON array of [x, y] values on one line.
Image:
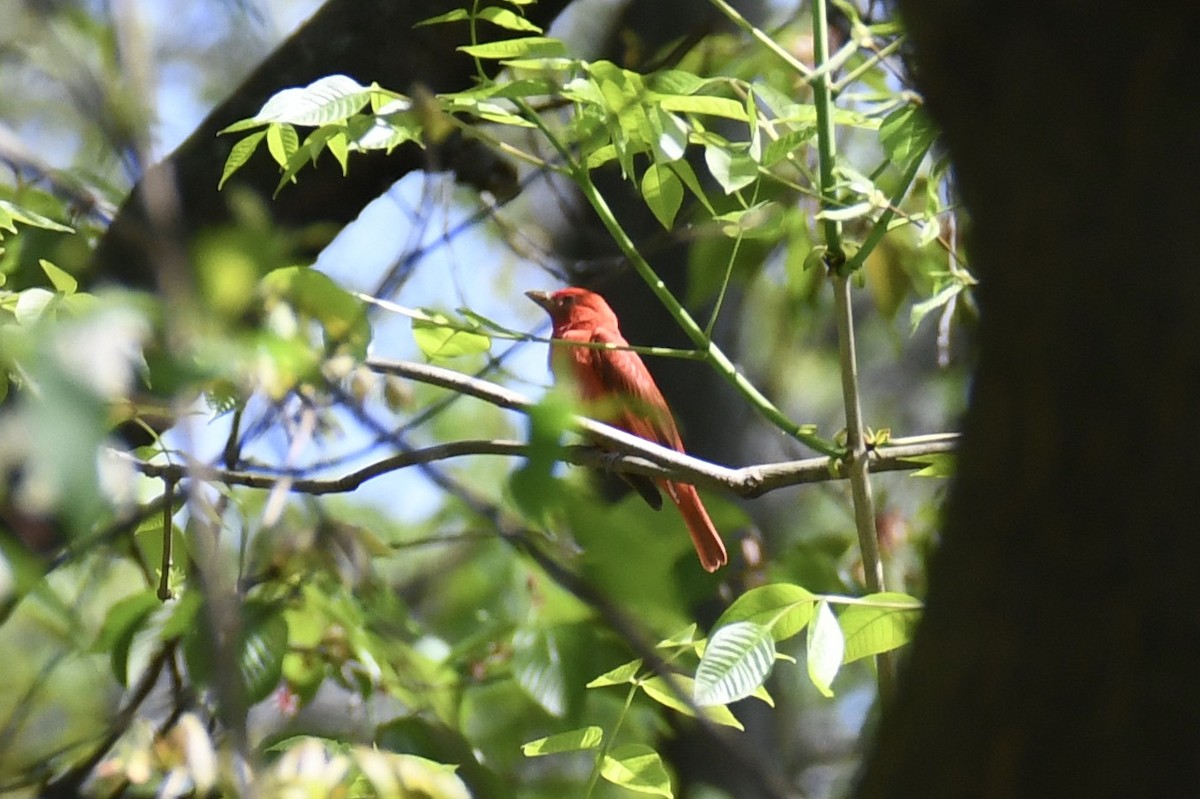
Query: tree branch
[[633, 455]]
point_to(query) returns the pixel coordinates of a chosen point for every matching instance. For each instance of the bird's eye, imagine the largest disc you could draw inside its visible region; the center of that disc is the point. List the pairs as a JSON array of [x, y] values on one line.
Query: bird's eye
[[566, 300]]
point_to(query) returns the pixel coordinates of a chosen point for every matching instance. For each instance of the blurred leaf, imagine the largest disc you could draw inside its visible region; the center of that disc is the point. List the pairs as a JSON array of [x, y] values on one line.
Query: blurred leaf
[[870, 630], [906, 133], [62, 281], [260, 663], [534, 487], [936, 465], [10, 212], [923, 309], [572, 741], [402, 775], [440, 336], [638, 768], [316, 295], [545, 663], [736, 662], [824, 649], [123, 621]]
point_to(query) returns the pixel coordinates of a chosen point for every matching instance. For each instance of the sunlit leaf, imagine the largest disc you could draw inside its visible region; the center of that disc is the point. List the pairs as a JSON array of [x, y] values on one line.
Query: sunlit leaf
[[790, 607], [939, 464], [439, 336], [528, 47], [329, 99], [824, 649], [869, 630], [621, 675], [702, 104], [573, 741], [63, 281], [503, 18], [316, 295], [660, 691], [11, 212], [282, 142], [663, 192], [638, 768], [736, 662], [537, 664]]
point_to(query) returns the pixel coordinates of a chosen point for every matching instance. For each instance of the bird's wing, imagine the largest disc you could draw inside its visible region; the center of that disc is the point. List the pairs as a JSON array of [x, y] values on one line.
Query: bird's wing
[[623, 375]]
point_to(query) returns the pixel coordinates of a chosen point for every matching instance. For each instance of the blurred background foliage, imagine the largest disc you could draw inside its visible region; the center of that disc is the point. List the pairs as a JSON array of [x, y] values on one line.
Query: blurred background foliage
[[166, 635]]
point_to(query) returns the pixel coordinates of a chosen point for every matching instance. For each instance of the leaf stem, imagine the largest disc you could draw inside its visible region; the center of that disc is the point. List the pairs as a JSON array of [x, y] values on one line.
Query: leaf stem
[[805, 434], [857, 456], [607, 744]]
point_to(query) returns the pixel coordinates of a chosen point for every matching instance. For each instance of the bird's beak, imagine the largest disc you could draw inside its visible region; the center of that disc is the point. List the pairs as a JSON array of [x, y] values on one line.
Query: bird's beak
[[542, 298]]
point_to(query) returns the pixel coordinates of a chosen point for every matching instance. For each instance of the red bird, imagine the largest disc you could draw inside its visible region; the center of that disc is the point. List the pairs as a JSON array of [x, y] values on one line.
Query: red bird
[[620, 384]]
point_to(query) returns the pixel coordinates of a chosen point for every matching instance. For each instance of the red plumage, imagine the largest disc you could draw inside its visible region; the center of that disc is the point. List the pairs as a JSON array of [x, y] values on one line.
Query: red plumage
[[620, 385]]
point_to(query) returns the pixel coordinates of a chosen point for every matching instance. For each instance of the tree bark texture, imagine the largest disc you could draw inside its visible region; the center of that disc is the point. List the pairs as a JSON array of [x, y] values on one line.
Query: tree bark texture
[[1059, 652]]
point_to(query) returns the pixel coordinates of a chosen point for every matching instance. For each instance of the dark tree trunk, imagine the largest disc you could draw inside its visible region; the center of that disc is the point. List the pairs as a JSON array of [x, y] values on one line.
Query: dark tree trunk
[[369, 40], [1059, 652]]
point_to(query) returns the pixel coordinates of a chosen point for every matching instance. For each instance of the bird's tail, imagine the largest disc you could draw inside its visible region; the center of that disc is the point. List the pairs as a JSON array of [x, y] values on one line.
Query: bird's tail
[[705, 537]]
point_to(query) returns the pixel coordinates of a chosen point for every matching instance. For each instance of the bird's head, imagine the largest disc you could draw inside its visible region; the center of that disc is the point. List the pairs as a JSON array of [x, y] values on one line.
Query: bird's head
[[574, 306]]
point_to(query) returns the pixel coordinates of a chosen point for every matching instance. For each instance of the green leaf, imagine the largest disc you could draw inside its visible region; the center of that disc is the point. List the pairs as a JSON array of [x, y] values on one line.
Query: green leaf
[[700, 104], [843, 214], [32, 304], [503, 18], [657, 689], [573, 741], [870, 630], [121, 624], [11, 212], [528, 47], [638, 768], [730, 165], [324, 101], [63, 281], [240, 154], [663, 192], [621, 675], [906, 133], [439, 336], [537, 664], [922, 309], [825, 648], [317, 296], [282, 142], [736, 662], [260, 661], [938, 464], [534, 484], [787, 608], [685, 172], [457, 15], [683, 639]]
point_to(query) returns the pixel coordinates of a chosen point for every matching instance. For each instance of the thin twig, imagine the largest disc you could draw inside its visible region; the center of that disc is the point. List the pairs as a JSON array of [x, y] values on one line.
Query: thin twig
[[857, 460]]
